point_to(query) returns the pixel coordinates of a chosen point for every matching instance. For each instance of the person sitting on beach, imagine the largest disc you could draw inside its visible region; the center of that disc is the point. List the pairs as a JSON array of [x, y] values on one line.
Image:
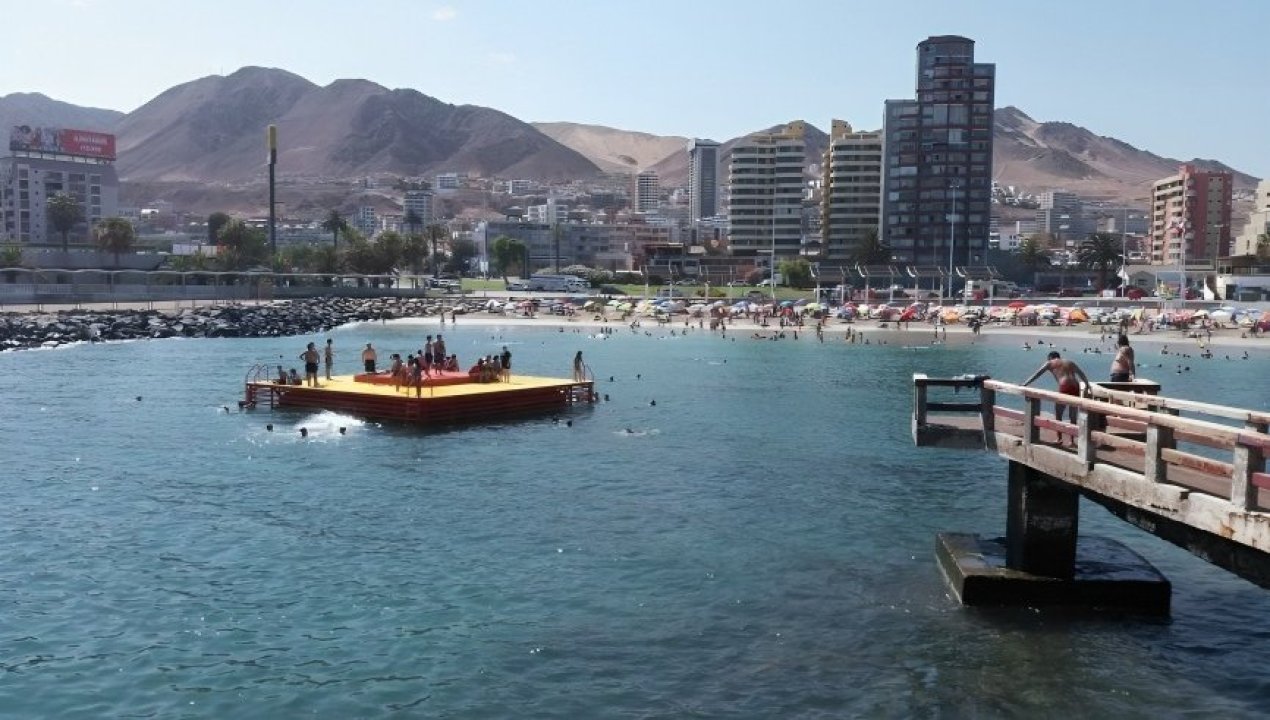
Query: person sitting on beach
[[1122, 367], [1068, 375]]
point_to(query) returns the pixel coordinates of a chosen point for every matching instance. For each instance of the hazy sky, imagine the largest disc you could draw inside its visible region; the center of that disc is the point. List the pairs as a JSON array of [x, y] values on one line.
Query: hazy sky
[[1182, 79]]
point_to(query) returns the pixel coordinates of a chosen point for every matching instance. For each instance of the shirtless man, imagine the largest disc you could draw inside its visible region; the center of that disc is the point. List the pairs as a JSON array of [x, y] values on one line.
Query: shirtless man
[[1065, 372], [369, 356], [328, 357], [1122, 367], [310, 357]]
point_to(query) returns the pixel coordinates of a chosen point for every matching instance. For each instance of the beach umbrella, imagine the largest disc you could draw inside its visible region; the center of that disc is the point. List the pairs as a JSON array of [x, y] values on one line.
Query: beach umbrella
[[813, 307], [614, 303], [787, 303], [1017, 305]]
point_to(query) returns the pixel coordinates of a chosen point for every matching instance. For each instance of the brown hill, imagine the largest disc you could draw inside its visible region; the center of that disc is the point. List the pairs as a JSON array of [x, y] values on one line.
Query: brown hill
[[212, 130], [611, 149], [1038, 156], [37, 109]]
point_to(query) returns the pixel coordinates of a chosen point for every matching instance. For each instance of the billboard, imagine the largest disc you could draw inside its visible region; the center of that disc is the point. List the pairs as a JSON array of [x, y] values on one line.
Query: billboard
[[62, 141]]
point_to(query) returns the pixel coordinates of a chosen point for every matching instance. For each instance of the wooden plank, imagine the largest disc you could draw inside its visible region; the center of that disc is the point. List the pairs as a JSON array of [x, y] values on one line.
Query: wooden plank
[[952, 407], [1205, 465]]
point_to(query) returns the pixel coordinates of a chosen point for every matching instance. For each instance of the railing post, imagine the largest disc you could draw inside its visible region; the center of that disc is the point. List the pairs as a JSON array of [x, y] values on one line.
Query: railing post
[[1248, 460], [919, 400], [1158, 439], [987, 402], [1031, 433], [1084, 438]]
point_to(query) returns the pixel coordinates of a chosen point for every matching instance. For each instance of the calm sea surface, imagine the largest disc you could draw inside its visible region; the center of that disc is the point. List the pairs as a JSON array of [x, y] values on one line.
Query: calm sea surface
[[757, 544]]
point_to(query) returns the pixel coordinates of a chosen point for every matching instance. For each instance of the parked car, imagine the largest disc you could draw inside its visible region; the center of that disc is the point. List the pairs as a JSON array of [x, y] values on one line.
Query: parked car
[[611, 290], [517, 285]]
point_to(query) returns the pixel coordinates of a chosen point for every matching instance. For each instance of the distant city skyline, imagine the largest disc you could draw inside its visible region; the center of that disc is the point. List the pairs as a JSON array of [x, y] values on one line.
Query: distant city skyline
[[696, 70]]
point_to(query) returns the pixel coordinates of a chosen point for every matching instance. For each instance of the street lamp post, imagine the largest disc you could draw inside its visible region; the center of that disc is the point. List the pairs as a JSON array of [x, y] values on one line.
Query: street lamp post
[[952, 235]]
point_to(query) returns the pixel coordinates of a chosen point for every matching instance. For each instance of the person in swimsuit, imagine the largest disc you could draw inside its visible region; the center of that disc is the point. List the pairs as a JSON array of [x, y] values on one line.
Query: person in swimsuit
[[1069, 377], [1123, 367], [310, 357], [328, 357], [369, 356]]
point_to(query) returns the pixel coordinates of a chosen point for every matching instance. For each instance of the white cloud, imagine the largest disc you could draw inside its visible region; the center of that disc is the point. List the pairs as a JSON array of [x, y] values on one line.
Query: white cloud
[[444, 13]]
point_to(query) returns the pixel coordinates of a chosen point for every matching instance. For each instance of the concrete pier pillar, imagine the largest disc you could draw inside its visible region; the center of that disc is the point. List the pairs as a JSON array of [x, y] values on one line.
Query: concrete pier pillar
[[1041, 524]]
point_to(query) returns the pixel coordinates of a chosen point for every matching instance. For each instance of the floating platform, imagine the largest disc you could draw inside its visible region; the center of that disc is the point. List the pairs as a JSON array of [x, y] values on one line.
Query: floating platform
[[452, 398], [1109, 577]]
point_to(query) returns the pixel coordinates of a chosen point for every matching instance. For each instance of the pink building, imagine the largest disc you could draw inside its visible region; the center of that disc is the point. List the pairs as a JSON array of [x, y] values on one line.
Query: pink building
[[1190, 216]]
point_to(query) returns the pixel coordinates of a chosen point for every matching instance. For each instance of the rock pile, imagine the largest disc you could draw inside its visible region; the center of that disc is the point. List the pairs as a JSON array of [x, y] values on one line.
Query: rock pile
[[291, 317]]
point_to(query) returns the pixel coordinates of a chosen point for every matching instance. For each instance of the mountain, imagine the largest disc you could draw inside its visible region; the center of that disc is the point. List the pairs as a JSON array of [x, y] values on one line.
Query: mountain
[[213, 130], [611, 149], [1052, 155], [37, 109]]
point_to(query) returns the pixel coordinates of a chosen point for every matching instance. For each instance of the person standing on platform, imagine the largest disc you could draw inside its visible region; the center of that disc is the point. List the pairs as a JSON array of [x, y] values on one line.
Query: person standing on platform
[[1123, 368], [579, 368], [507, 364], [369, 356], [438, 354], [1068, 375], [310, 357], [328, 357]]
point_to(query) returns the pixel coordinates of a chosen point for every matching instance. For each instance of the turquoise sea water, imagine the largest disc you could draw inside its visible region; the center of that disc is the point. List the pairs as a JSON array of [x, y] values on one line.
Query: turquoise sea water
[[758, 543]]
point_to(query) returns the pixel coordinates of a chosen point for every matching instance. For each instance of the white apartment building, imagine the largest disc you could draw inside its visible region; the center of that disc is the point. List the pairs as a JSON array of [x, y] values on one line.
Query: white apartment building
[[765, 193], [851, 202], [420, 201], [647, 192], [552, 212], [1258, 222]]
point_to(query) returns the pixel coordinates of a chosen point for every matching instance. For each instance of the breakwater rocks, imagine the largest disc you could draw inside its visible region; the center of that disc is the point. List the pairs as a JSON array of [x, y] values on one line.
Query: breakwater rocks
[[291, 317]]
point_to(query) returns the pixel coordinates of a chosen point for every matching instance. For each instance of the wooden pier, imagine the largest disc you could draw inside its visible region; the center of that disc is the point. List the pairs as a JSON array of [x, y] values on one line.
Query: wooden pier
[[1189, 472]]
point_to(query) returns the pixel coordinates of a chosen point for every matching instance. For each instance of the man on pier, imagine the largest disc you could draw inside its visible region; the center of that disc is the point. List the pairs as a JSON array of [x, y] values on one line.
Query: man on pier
[[1065, 372]]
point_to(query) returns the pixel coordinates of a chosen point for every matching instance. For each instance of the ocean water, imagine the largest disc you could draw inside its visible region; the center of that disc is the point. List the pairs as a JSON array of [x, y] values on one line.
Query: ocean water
[[756, 544]]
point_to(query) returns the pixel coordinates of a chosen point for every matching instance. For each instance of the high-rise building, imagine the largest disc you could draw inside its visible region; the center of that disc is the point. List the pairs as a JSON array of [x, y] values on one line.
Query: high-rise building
[[1190, 216], [44, 162], [420, 201], [851, 199], [765, 193], [647, 192], [1258, 222], [365, 221], [703, 180], [937, 180], [1061, 215]]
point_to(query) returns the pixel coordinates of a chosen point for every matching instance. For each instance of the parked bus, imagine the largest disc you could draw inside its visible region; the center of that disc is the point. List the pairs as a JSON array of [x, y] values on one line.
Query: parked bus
[[989, 289], [557, 283]]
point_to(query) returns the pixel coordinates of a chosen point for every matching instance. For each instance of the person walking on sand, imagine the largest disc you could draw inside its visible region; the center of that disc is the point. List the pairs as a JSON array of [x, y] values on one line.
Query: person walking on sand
[[579, 368], [1123, 367], [310, 357], [328, 357], [1068, 375], [368, 359]]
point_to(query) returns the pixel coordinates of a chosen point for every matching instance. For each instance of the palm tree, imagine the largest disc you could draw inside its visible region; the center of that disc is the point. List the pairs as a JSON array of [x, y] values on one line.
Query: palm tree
[[872, 251], [215, 222], [435, 233], [64, 213], [115, 235], [335, 224], [1100, 252]]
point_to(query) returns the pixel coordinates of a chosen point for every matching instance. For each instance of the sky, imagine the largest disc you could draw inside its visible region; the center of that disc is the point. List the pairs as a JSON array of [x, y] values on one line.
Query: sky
[[1181, 79]]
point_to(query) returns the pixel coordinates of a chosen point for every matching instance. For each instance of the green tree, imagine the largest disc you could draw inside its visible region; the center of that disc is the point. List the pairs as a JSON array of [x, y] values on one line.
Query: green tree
[[335, 224], [412, 221], [1033, 256], [115, 235], [389, 249], [505, 253], [1101, 252], [241, 246], [215, 222], [462, 251], [64, 213], [796, 272], [872, 250]]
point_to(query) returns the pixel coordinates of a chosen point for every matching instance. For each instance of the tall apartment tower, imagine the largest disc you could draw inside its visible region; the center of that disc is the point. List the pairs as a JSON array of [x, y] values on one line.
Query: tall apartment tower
[[765, 193], [420, 201], [1061, 215], [1258, 222], [1190, 216], [43, 162], [851, 201], [703, 180], [647, 192], [937, 184]]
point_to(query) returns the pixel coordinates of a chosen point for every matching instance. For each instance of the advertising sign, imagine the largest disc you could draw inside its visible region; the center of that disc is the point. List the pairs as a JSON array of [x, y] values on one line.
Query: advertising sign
[[62, 141]]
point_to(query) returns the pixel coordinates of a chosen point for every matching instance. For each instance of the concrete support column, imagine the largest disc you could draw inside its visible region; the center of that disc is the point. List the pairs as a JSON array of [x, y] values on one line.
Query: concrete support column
[[1041, 524]]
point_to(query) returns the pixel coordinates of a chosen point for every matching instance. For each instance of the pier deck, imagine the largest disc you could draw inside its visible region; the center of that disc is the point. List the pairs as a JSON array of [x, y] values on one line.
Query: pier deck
[[432, 404]]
